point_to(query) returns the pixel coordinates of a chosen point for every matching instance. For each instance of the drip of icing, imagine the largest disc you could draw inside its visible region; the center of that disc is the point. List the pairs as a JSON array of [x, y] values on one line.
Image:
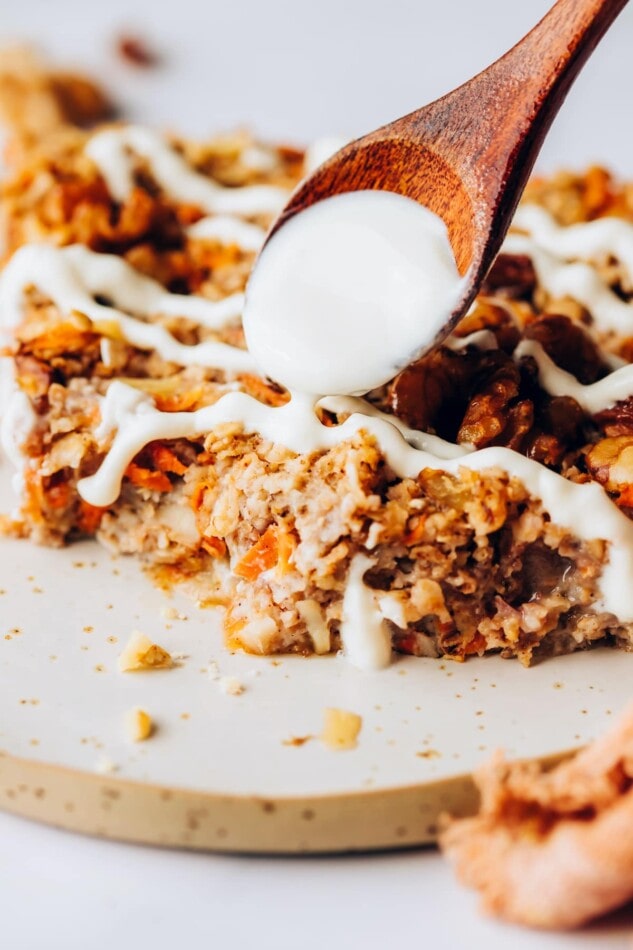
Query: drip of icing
[[482, 339], [364, 633], [72, 276], [114, 152], [583, 509], [576, 280], [228, 230], [349, 291], [258, 158], [558, 382], [425, 441], [590, 240], [17, 422], [551, 247]]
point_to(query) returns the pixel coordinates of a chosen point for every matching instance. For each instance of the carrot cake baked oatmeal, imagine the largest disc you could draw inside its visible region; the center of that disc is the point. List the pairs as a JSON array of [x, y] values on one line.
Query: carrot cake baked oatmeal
[[480, 501]]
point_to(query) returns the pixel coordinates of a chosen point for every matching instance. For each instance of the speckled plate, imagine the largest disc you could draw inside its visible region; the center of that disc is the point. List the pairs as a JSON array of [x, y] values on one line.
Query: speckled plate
[[233, 772]]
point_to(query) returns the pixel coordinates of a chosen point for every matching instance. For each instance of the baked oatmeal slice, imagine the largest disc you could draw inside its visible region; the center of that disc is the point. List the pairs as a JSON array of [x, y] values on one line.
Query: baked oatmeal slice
[[457, 511]]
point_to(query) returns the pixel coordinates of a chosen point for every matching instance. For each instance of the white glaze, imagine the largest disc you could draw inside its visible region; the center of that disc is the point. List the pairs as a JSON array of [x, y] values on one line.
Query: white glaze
[[558, 382], [590, 240], [349, 291], [583, 509], [481, 339], [552, 248], [17, 421], [115, 151], [576, 280], [72, 276], [365, 637], [228, 230]]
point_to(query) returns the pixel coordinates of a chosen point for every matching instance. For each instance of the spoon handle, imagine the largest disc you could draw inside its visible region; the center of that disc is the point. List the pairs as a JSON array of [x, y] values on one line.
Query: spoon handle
[[505, 112]]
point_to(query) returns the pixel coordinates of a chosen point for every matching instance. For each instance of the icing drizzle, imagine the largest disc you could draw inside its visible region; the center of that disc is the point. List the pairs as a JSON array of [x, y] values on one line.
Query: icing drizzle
[[72, 277], [115, 153]]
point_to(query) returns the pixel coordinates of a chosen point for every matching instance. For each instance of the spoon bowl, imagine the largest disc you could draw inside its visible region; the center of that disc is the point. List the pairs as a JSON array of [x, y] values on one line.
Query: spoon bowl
[[468, 155]]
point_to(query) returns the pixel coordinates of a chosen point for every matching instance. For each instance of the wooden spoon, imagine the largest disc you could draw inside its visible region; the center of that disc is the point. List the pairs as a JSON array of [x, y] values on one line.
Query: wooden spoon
[[468, 155]]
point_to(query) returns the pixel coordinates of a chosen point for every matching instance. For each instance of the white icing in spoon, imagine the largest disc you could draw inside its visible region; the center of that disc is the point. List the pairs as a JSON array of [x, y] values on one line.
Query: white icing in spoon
[[115, 151], [347, 292]]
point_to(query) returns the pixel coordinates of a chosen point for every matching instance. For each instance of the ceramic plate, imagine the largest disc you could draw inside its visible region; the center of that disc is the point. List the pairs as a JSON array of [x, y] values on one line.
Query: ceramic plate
[[248, 772]]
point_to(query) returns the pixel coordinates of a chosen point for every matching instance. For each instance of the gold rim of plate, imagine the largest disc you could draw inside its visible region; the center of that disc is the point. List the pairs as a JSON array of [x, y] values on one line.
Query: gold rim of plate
[[109, 806]]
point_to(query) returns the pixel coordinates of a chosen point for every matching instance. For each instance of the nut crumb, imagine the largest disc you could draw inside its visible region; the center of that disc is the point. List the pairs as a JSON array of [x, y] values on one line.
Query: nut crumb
[[141, 654], [171, 613], [428, 754], [341, 729], [104, 765], [139, 725], [296, 741], [231, 685]]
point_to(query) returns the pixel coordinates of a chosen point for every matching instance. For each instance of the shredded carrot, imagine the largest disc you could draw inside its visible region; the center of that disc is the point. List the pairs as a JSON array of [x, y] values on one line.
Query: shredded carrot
[[416, 534], [216, 547], [261, 557], [197, 496], [625, 498], [286, 543], [275, 547], [145, 478], [476, 645], [221, 255], [178, 402], [89, 517], [407, 643], [165, 460], [258, 388], [58, 496]]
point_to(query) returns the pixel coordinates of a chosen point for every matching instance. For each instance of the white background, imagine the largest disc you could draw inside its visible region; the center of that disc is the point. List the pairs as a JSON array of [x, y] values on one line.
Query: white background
[[291, 70]]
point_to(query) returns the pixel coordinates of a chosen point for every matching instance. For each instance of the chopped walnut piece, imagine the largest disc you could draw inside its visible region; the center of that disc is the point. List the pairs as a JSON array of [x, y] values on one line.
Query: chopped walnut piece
[[139, 725], [140, 653], [512, 275], [558, 428], [618, 419], [433, 387], [569, 346], [486, 315], [341, 729], [610, 462], [494, 416]]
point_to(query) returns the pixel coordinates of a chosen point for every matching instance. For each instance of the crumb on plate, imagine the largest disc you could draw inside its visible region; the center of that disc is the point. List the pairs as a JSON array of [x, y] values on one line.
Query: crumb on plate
[[140, 653], [231, 685], [341, 729], [139, 725]]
